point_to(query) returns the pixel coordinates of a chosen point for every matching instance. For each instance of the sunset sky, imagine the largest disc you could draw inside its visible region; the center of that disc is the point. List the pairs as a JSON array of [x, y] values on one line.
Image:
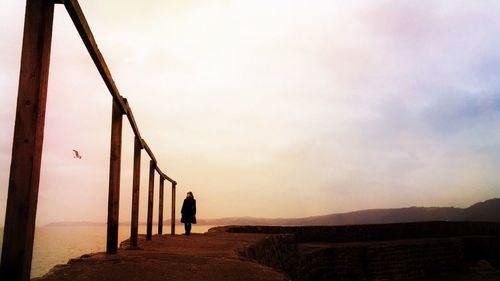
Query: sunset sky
[[269, 108]]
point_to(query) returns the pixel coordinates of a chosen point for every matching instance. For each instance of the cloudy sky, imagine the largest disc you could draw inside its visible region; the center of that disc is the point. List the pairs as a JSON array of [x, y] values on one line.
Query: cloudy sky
[[270, 108]]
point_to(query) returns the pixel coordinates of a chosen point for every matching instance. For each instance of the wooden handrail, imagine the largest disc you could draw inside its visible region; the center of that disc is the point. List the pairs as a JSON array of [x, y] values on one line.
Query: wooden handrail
[[131, 120], [148, 150], [164, 176], [28, 139]]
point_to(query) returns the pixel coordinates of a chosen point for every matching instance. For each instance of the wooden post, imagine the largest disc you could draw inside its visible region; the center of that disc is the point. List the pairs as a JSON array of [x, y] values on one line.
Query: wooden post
[[172, 230], [114, 178], [135, 192], [25, 164], [160, 211], [149, 231]]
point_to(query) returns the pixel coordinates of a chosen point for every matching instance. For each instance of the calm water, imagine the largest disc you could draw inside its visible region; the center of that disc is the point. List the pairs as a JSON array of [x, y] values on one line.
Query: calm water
[[56, 245]]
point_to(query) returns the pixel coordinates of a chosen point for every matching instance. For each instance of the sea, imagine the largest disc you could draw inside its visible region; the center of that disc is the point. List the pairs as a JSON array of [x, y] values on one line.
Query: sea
[[58, 244]]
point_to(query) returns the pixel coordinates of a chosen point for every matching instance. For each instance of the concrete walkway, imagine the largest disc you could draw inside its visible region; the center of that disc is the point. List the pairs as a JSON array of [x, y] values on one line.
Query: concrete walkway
[[210, 256]]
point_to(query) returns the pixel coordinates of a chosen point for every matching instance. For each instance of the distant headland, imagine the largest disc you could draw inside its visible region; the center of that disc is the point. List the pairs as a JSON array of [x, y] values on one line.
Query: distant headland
[[486, 211]]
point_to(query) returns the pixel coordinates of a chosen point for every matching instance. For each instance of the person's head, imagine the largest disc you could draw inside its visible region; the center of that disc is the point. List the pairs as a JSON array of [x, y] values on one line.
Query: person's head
[[189, 194]]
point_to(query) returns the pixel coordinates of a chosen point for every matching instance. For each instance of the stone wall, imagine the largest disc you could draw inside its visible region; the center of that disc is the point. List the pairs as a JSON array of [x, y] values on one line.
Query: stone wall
[[414, 251], [376, 232]]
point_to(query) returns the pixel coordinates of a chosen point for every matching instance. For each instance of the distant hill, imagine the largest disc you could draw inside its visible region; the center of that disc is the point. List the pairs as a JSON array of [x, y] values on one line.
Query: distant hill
[[484, 211], [487, 211]]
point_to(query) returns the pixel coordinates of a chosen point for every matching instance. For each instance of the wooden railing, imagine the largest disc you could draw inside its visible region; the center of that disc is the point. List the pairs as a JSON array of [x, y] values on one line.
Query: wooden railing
[[28, 139]]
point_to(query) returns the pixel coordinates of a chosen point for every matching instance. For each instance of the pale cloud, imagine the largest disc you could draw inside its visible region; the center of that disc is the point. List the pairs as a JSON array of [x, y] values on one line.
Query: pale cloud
[[273, 108]]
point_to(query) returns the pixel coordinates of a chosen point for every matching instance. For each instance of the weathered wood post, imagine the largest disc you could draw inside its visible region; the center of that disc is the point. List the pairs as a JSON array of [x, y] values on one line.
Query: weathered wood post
[[149, 231], [160, 209], [114, 178], [24, 178], [135, 192], [172, 230]]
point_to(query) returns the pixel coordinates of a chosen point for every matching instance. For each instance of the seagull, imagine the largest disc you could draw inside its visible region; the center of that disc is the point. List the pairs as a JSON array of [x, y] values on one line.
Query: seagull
[[77, 154]]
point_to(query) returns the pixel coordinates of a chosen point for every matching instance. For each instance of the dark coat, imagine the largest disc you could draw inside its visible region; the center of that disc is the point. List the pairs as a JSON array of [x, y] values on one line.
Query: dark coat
[[188, 211]]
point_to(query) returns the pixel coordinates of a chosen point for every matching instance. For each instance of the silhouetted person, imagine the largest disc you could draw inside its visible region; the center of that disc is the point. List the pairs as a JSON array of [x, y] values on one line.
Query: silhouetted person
[[188, 212]]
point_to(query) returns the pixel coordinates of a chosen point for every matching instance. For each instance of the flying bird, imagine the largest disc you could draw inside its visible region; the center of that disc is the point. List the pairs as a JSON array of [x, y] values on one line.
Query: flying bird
[[77, 154]]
